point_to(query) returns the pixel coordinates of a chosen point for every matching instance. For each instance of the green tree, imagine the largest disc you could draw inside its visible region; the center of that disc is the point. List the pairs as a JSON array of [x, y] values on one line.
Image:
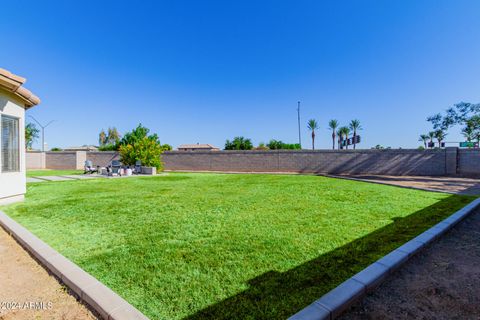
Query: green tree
[[440, 136], [31, 135], [424, 139], [355, 126], [333, 125], [146, 150], [431, 135], [102, 138], [312, 125], [344, 132], [239, 143], [138, 134], [113, 137]]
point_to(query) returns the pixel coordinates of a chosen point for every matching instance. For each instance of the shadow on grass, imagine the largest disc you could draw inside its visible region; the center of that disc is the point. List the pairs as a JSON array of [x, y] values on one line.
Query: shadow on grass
[[278, 295]]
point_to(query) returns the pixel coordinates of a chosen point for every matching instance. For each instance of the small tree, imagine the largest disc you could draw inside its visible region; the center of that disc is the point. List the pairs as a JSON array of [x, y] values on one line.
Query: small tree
[[344, 132], [440, 136], [145, 150], [31, 135], [431, 135]]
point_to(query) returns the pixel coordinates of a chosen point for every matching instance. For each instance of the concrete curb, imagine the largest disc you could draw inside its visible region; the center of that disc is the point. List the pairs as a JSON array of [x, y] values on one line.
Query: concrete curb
[[99, 297], [332, 304]]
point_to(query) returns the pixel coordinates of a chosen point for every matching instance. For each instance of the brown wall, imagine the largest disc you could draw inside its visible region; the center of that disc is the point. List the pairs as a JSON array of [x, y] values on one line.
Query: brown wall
[[387, 162]]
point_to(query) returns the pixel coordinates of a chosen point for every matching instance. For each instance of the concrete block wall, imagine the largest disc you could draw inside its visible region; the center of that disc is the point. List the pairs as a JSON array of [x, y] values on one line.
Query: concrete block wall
[[449, 161], [102, 158], [386, 162], [469, 162]]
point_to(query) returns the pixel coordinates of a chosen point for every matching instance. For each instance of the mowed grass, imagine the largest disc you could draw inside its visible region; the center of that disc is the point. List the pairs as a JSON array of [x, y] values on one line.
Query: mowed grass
[[228, 246], [49, 172]]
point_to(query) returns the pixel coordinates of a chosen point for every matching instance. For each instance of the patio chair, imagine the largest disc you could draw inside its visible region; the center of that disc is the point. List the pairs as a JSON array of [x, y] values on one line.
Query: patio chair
[[115, 167], [89, 168], [138, 167]]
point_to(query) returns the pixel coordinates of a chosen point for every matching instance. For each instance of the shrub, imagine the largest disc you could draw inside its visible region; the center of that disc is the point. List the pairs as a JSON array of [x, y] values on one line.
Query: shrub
[[55, 149], [280, 145], [108, 147], [148, 151]]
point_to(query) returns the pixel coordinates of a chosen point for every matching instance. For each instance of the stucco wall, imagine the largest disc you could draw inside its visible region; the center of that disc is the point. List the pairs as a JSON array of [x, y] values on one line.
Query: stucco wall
[[35, 160], [13, 184]]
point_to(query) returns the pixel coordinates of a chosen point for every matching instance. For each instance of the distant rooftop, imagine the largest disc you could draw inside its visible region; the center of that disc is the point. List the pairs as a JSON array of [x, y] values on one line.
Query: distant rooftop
[[205, 146], [82, 148]]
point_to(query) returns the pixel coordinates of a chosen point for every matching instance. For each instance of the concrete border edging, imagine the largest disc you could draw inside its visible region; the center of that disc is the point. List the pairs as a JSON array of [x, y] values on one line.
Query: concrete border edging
[[99, 297], [333, 303]]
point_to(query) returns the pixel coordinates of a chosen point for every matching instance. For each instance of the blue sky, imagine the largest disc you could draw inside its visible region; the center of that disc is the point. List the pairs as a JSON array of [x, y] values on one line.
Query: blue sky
[[205, 71]]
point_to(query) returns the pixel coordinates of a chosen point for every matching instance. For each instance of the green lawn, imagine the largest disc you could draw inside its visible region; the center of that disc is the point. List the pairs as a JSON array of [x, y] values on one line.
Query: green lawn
[[48, 172], [202, 246]]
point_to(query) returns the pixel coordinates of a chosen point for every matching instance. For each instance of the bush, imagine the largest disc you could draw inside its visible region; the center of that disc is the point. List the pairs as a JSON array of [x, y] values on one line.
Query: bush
[[55, 149], [108, 147], [148, 151], [280, 145]]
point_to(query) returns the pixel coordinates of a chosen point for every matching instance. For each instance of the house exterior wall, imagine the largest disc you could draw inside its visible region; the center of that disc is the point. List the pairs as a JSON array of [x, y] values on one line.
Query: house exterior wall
[[13, 184]]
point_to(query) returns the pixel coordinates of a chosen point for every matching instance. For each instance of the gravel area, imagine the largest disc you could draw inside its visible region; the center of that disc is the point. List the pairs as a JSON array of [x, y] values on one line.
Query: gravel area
[[27, 291], [442, 282], [456, 185]]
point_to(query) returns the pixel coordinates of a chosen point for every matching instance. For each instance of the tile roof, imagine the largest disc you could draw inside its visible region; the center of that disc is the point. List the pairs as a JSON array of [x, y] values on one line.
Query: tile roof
[[13, 84], [197, 146]]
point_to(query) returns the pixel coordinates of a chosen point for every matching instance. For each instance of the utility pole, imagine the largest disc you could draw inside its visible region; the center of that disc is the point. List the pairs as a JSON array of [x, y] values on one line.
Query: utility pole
[[43, 131], [298, 115]]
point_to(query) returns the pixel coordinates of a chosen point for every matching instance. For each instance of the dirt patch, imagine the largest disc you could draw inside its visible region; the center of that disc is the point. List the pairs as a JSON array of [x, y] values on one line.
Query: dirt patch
[[27, 291], [442, 282]]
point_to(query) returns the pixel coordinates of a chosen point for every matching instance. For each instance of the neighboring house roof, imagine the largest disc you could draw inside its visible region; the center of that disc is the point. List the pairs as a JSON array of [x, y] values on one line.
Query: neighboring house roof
[[13, 83], [82, 148], [197, 146]]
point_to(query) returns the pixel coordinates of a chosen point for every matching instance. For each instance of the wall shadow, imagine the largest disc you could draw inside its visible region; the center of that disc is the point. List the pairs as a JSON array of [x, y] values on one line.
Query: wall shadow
[[278, 295]]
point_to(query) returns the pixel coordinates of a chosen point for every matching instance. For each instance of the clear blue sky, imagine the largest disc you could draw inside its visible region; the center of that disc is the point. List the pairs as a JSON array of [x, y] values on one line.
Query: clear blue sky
[[205, 71]]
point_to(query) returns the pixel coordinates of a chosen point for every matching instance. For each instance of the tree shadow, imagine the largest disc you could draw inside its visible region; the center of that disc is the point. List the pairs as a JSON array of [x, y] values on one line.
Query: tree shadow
[[278, 295]]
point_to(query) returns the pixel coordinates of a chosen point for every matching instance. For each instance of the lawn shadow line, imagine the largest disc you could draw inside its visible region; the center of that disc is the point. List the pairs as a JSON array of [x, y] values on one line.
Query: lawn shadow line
[[278, 295]]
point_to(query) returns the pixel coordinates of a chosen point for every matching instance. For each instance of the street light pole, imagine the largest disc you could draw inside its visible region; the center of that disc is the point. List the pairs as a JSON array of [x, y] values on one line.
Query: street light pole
[[43, 130], [298, 116]]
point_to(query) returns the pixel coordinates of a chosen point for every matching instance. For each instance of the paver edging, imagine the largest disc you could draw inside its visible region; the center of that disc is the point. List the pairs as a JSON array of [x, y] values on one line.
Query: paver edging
[[99, 297], [333, 303]]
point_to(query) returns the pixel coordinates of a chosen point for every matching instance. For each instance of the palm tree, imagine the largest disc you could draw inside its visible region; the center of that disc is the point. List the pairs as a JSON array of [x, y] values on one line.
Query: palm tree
[[424, 139], [344, 132], [468, 132], [431, 135], [312, 125], [333, 124], [102, 138], [340, 139], [440, 135], [355, 126]]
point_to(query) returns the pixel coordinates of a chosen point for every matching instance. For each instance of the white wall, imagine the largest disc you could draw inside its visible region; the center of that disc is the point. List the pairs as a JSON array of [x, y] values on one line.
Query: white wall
[[13, 184]]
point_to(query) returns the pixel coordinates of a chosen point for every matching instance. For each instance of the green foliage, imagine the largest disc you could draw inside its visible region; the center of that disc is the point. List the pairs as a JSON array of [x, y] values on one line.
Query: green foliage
[[102, 138], [280, 145], [55, 149], [166, 147], [31, 135], [146, 150], [236, 246], [239, 143], [261, 146], [113, 137], [137, 134], [108, 147]]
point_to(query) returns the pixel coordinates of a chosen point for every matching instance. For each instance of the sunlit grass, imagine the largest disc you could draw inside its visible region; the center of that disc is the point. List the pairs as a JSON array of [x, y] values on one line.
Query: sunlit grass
[[226, 245]]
